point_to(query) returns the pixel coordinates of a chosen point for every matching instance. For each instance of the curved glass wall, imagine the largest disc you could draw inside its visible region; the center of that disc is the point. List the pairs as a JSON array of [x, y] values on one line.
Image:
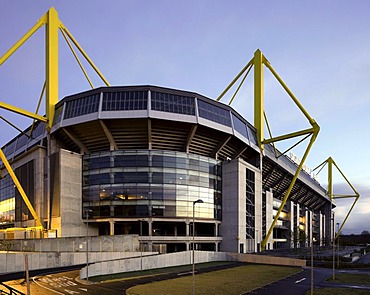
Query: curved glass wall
[[151, 183]]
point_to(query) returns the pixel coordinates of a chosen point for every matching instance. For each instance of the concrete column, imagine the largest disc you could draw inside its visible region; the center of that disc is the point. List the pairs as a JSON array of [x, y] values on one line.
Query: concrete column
[[150, 234], [111, 223], [187, 228], [150, 227]]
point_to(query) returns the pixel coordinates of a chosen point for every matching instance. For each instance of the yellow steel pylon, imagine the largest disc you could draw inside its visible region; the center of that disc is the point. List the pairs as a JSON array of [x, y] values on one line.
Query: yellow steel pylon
[[259, 61], [331, 163], [53, 25]]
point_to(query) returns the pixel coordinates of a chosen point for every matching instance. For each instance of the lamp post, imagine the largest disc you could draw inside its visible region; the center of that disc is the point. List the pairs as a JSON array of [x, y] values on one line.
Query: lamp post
[[87, 211], [311, 241], [338, 243], [333, 237], [193, 272]]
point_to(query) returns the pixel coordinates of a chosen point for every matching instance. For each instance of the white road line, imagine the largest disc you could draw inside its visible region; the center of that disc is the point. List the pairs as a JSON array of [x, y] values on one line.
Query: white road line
[[300, 281], [46, 287]]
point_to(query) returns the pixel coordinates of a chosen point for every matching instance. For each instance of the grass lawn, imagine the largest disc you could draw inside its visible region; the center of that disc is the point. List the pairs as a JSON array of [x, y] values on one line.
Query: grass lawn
[[355, 279], [154, 272], [236, 280]]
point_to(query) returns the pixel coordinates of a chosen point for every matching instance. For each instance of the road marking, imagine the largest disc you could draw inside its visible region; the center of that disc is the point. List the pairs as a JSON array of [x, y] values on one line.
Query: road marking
[[300, 281], [46, 287], [71, 292]]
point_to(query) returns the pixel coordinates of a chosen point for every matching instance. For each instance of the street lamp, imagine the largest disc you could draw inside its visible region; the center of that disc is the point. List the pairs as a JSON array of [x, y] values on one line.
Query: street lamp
[[338, 243], [193, 273], [87, 211]]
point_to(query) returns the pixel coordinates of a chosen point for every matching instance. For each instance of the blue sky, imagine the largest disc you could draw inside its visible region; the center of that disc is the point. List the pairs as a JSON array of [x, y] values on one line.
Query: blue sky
[[320, 48]]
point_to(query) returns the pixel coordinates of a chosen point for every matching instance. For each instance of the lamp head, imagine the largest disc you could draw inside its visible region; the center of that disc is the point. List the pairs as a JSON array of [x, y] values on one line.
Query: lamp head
[[198, 201]]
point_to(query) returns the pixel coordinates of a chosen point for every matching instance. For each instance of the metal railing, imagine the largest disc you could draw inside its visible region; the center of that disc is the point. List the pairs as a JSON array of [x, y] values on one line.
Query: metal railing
[[9, 291]]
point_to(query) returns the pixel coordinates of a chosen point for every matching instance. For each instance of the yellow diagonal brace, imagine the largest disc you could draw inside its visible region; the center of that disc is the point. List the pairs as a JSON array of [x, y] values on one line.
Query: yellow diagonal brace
[[20, 188], [346, 179], [22, 112], [77, 59], [343, 196], [14, 48], [298, 171], [250, 63], [62, 27], [296, 101], [345, 219], [240, 84], [287, 136]]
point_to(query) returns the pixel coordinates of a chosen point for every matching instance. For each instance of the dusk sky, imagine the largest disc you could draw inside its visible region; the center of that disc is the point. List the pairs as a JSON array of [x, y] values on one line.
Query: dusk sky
[[321, 49]]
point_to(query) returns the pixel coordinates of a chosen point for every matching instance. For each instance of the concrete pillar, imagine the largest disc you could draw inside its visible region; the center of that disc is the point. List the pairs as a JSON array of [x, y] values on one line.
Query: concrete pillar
[[111, 223], [150, 234], [187, 228]]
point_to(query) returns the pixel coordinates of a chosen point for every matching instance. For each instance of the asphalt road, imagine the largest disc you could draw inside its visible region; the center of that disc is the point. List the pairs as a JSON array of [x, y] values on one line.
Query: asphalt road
[[297, 284], [300, 283], [68, 283]]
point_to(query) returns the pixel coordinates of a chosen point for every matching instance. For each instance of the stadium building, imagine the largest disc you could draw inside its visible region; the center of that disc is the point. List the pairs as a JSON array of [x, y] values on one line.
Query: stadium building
[[149, 160]]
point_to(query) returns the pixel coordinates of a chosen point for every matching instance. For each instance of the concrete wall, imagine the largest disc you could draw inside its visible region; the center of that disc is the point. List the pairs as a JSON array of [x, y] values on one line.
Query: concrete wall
[[181, 258], [70, 223], [14, 262], [233, 226], [118, 243], [229, 228], [269, 217]]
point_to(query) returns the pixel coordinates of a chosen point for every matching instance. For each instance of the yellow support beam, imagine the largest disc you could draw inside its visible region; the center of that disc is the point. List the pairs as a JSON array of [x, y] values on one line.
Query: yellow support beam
[[70, 36], [16, 46], [287, 194], [288, 136], [52, 79], [20, 189], [22, 112], [259, 103]]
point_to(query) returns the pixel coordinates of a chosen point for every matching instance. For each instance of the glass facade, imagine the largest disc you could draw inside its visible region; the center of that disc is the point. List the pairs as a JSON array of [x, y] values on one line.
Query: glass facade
[[58, 114], [7, 200], [125, 101], [214, 113], [82, 106], [172, 103], [151, 183], [240, 126], [12, 206]]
